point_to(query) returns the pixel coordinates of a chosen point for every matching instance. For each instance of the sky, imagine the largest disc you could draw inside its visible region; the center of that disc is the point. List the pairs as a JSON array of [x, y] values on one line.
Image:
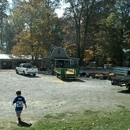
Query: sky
[[58, 11], [10, 1]]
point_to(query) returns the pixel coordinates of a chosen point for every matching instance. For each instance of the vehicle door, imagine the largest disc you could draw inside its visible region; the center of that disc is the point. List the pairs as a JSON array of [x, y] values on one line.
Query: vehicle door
[[20, 68]]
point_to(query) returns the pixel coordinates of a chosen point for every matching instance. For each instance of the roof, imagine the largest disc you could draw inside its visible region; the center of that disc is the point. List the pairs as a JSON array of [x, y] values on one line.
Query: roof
[[61, 58], [5, 56], [10, 56], [60, 53]]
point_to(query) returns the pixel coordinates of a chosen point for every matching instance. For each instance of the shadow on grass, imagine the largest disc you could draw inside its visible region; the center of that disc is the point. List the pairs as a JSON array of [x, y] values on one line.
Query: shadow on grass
[[24, 124], [124, 92]]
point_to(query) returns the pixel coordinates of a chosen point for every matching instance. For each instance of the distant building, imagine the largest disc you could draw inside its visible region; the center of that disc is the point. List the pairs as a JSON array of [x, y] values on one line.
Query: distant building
[[8, 61], [59, 57]]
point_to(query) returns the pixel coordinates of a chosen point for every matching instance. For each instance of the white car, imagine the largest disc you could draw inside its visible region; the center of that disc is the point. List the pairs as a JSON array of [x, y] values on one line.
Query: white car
[[26, 68]]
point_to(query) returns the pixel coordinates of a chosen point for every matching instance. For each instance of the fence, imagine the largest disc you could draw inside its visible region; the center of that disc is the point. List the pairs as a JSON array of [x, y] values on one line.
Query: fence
[[122, 70]]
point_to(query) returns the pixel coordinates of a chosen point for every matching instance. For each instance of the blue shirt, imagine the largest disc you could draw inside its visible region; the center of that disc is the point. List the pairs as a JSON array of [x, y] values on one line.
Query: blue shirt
[[19, 100]]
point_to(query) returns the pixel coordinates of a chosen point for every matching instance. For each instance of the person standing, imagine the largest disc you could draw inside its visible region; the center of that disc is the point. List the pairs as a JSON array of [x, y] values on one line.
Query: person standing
[[19, 101]]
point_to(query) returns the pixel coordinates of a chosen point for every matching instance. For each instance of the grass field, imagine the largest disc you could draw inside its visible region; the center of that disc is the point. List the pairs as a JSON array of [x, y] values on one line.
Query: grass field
[[87, 120]]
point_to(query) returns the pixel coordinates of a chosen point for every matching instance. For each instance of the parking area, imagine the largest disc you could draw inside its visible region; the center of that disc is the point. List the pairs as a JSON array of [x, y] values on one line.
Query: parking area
[[48, 94]]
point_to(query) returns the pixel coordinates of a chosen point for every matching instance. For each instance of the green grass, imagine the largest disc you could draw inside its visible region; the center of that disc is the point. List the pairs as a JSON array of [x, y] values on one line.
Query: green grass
[[87, 120]]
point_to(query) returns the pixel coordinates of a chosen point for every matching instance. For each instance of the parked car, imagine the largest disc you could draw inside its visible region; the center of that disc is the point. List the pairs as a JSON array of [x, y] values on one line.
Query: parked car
[[26, 68], [120, 82]]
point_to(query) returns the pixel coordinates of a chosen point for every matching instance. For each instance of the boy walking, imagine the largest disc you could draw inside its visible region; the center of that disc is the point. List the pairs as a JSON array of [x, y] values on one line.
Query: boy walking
[[19, 100]]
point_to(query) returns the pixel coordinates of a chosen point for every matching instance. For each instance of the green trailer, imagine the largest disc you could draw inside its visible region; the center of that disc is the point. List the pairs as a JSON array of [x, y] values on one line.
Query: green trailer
[[65, 73]]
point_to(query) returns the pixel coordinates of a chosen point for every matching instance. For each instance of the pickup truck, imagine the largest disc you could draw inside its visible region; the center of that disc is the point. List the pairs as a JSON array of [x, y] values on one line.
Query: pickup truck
[[26, 68]]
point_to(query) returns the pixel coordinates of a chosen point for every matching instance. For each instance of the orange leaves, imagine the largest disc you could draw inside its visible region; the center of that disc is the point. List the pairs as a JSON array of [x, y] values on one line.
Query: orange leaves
[[128, 39], [88, 55]]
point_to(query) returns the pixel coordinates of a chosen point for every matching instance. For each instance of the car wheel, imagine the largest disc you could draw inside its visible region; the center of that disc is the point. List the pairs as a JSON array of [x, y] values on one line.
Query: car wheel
[[129, 88], [23, 73], [34, 74], [57, 75], [113, 82], [17, 72]]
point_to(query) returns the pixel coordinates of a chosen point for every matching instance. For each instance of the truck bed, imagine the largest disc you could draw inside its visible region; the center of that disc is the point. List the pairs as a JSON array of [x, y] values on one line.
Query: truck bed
[[67, 72]]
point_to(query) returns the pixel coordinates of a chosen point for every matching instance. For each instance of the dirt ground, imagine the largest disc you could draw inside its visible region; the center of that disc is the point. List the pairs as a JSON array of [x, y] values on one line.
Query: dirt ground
[[46, 94]]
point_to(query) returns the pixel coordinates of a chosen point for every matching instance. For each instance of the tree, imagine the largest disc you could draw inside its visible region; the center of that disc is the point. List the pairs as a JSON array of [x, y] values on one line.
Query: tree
[[3, 17], [40, 27], [113, 31], [84, 16], [74, 12]]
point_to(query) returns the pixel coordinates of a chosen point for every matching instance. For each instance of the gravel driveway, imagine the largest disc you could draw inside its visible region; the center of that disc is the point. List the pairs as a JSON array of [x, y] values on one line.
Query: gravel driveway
[[48, 94]]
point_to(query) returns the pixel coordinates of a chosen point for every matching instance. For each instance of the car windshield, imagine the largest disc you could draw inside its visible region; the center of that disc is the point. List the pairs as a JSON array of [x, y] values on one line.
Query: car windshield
[[27, 66]]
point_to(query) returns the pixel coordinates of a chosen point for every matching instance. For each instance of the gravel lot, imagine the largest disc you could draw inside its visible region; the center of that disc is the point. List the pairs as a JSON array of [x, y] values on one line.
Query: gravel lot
[[48, 94]]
